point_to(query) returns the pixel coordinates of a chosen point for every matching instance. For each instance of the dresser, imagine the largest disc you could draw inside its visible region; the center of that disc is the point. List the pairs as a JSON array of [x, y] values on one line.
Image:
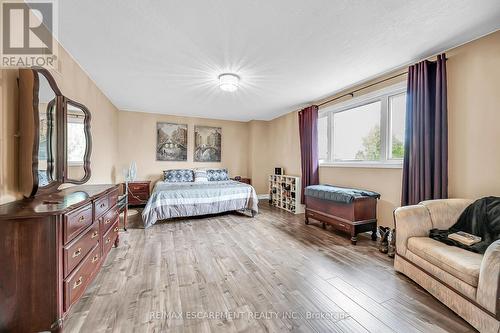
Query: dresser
[[138, 192], [51, 248]]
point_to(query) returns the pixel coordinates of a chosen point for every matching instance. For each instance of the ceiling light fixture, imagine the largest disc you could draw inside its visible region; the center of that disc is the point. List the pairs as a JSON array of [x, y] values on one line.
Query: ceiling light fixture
[[229, 82]]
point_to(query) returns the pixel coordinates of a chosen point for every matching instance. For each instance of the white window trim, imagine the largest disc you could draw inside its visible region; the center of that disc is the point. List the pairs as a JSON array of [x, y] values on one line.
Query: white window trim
[[381, 95]]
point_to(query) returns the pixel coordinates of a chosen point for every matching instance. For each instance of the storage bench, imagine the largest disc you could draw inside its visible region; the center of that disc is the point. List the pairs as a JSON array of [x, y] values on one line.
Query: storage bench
[[346, 209]]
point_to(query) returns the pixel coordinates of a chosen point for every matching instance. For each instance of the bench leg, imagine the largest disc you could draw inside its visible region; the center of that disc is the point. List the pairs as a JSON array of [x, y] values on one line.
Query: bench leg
[[306, 220], [324, 225], [354, 237]]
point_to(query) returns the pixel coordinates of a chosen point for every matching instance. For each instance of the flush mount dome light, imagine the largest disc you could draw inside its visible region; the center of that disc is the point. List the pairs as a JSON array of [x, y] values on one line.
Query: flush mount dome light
[[228, 81]]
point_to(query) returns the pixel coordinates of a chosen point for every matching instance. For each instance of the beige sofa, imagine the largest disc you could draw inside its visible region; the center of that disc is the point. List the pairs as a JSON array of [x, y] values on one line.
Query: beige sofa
[[467, 282]]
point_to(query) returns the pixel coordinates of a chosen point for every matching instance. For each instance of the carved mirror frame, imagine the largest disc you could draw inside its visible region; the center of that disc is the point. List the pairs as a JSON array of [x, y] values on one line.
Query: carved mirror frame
[[59, 158], [88, 142]]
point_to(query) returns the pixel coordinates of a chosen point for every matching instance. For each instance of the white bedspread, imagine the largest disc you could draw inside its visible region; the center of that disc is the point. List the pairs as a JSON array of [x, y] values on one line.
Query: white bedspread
[[171, 200]]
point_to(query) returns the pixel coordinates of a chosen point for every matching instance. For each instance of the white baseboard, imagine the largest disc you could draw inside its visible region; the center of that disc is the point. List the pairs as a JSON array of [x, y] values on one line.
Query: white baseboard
[[263, 196]]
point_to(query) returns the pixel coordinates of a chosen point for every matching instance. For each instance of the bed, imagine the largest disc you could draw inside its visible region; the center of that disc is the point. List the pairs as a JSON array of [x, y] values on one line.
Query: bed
[[183, 199]]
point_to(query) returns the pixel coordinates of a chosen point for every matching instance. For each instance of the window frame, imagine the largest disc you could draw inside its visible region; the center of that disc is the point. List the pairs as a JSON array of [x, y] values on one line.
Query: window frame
[[382, 96]]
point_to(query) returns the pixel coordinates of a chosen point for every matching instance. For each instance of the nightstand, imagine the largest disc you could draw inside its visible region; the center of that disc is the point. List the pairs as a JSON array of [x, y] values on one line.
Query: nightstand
[[138, 192], [244, 180]]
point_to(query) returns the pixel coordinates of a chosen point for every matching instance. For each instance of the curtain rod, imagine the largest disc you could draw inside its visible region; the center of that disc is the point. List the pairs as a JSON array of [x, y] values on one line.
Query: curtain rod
[[362, 88], [371, 85]]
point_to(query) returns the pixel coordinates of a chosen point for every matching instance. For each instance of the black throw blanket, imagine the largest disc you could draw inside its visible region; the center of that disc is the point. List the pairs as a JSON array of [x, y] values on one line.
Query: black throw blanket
[[481, 218]]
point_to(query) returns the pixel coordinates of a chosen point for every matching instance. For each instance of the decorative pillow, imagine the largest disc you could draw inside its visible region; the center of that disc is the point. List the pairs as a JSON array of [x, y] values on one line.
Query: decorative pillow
[[214, 175], [200, 175], [178, 175]]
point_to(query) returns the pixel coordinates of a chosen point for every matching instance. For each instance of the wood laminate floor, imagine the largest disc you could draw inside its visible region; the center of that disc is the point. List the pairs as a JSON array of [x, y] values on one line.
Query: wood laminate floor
[[272, 273]]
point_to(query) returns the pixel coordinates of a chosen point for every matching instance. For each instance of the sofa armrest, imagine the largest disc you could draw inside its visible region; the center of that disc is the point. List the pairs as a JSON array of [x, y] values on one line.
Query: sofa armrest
[[410, 221], [488, 288]]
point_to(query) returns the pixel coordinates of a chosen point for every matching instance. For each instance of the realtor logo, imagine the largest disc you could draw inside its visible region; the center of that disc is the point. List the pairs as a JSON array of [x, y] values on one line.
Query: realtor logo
[[28, 34]]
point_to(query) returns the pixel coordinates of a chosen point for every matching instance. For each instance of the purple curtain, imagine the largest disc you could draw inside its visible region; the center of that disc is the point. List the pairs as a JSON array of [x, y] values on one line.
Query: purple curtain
[[308, 129], [425, 166]]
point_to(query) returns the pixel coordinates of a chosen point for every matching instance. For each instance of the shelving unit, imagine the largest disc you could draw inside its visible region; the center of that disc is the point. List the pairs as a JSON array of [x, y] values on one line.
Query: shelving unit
[[284, 193]]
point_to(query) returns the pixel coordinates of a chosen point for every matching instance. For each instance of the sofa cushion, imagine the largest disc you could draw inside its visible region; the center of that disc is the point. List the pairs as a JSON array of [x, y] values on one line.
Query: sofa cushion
[[458, 262], [442, 275]]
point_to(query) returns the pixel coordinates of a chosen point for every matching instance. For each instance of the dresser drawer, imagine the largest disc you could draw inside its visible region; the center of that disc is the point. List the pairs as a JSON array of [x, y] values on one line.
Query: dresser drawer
[[113, 198], [139, 196], [108, 219], [141, 187], [77, 221], [74, 252], [339, 225], [75, 284], [109, 238], [101, 205]]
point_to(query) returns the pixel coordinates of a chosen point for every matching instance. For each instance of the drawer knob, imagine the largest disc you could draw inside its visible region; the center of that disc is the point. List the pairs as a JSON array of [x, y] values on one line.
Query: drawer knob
[[77, 252], [116, 229], [81, 218], [78, 282], [94, 235], [102, 205], [107, 221], [95, 258], [108, 240]]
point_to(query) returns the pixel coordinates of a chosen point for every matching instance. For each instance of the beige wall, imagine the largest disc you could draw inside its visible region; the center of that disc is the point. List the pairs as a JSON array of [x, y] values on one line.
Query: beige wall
[[474, 138], [258, 163], [75, 84], [474, 118], [8, 140], [137, 142]]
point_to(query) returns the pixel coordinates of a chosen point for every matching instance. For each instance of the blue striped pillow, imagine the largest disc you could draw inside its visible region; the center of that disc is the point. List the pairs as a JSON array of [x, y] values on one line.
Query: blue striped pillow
[[200, 176]]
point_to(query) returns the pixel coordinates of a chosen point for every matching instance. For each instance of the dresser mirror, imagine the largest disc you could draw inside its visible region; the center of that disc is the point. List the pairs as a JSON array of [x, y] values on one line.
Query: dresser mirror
[[47, 132], [77, 142], [55, 138]]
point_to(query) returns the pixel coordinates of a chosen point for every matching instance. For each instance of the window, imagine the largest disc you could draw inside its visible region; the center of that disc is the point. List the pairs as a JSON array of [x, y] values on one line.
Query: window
[[365, 131], [323, 139], [397, 112], [76, 141]]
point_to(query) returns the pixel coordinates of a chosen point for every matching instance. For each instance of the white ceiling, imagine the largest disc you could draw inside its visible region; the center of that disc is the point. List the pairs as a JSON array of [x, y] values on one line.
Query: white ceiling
[[165, 56]]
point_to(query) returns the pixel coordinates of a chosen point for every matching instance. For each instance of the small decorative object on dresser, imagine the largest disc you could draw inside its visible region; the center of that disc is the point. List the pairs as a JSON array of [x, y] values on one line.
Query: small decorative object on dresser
[[346, 209], [242, 180], [138, 192], [284, 193]]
